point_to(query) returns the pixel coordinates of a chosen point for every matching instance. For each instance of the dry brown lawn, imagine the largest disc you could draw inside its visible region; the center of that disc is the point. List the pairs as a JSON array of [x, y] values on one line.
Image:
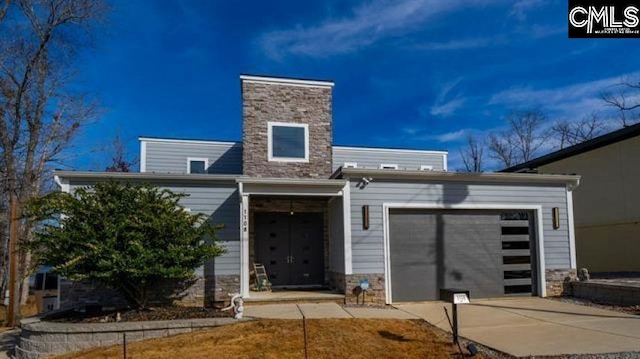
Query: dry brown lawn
[[327, 338]]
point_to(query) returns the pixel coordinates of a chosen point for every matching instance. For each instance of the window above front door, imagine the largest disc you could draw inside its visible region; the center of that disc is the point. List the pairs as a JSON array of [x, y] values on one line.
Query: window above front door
[[288, 142]]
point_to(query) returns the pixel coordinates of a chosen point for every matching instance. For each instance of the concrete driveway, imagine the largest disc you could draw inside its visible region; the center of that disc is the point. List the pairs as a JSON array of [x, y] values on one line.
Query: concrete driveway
[[537, 326]]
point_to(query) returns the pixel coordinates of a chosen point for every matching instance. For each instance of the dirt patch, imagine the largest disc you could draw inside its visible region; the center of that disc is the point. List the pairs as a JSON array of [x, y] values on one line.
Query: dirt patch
[[326, 338], [159, 313]]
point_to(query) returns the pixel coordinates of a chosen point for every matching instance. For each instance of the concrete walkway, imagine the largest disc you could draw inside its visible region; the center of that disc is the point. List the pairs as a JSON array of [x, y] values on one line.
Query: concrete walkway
[[536, 326], [323, 310]]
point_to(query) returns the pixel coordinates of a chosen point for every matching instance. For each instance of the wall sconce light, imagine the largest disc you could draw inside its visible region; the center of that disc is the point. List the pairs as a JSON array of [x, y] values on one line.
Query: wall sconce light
[[556, 218], [365, 217]]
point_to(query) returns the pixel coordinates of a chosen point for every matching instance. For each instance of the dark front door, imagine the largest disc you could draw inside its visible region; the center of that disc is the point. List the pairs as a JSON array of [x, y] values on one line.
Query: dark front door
[[291, 247]]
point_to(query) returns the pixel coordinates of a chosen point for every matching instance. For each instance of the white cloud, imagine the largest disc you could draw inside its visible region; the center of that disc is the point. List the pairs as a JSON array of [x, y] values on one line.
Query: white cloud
[[447, 108], [465, 44], [451, 136], [570, 101], [368, 24], [442, 105], [520, 8]]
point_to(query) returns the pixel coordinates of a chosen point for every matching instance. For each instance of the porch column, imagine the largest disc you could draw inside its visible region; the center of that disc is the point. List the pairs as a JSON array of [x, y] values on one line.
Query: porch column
[[244, 245]]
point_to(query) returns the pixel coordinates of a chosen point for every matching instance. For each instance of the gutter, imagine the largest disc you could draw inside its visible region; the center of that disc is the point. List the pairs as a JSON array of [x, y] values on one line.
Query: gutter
[[491, 177], [150, 176]]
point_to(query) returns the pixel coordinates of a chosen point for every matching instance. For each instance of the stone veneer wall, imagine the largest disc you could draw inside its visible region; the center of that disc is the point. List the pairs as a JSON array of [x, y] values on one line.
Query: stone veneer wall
[[195, 293], [559, 281], [375, 294], [40, 339], [263, 103]]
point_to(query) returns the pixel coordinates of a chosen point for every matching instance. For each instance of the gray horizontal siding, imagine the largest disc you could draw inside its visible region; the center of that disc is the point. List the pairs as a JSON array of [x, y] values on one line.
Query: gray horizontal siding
[[221, 203], [368, 245], [373, 158], [171, 157]]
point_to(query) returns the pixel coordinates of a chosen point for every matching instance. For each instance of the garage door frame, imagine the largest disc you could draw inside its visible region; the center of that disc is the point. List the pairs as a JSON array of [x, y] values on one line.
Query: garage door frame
[[537, 210]]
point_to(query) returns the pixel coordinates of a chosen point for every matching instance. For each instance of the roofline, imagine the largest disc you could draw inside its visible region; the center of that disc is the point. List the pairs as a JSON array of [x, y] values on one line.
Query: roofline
[[285, 81], [332, 182], [590, 145], [191, 177], [365, 148], [493, 177], [188, 141]]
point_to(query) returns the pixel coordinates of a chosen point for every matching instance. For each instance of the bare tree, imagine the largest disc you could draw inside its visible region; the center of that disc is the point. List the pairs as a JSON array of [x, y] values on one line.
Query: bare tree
[[39, 111], [522, 140], [121, 161], [571, 133], [472, 154], [626, 100]]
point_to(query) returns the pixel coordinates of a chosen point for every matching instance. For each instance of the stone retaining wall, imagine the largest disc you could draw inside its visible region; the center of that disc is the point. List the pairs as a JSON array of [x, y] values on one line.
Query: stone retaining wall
[[606, 293], [42, 339], [558, 281]]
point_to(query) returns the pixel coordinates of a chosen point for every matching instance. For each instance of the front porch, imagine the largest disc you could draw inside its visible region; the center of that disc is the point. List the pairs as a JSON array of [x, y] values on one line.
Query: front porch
[[300, 231]]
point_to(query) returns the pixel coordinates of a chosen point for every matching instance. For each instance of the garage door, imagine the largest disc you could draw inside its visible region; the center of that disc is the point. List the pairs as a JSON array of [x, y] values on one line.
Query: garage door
[[487, 252]]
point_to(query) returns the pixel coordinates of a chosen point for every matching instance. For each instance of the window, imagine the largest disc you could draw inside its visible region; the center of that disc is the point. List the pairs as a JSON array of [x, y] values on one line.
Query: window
[[288, 142], [350, 165], [426, 168], [388, 166], [197, 165]]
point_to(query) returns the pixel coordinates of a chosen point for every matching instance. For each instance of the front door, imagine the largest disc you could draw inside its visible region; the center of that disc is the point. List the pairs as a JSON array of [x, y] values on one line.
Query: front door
[[291, 247]]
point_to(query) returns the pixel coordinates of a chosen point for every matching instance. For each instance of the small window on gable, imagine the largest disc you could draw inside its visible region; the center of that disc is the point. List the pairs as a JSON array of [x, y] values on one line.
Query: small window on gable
[[426, 168], [350, 165], [197, 165], [387, 166], [288, 142]]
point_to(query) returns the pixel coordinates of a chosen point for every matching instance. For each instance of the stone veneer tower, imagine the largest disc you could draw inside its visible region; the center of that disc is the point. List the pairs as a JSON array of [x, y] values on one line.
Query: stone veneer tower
[[267, 102]]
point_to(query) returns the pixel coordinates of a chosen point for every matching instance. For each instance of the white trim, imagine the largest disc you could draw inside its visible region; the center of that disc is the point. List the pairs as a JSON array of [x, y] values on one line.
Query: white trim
[[346, 222], [244, 243], [270, 142], [572, 234], [542, 282], [426, 168], [350, 165], [445, 164], [285, 81], [199, 159], [143, 156], [382, 149], [63, 183], [388, 166], [188, 142]]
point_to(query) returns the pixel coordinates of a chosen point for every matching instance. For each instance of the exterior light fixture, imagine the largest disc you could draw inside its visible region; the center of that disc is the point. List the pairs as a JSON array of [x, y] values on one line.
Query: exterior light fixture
[[365, 217], [556, 218]]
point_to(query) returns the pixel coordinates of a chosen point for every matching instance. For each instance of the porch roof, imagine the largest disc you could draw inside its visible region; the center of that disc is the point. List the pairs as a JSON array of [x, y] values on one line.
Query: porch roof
[[291, 186]]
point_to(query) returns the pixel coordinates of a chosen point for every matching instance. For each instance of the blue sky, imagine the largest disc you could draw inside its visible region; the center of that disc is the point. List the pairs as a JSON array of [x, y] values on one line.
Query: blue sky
[[408, 73]]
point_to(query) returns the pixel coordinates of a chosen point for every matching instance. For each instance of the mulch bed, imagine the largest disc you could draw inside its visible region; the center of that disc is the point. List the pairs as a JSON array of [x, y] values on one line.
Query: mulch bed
[[628, 309], [128, 315]]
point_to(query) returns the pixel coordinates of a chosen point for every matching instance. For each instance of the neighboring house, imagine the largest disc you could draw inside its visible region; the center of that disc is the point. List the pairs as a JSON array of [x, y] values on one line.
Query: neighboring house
[[607, 203], [319, 215]]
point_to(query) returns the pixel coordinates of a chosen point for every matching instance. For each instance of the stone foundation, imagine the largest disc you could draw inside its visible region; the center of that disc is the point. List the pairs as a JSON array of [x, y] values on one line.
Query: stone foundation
[[225, 285], [193, 293], [375, 295], [559, 281]]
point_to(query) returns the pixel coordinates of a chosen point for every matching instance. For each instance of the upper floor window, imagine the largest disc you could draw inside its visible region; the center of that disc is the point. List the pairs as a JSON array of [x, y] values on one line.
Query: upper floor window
[[288, 142], [388, 166], [197, 165]]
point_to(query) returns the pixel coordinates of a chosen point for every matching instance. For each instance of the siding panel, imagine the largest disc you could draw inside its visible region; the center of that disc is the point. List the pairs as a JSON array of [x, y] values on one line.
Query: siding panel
[[373, 158], [171, 157], [221, 203], [367, 246]]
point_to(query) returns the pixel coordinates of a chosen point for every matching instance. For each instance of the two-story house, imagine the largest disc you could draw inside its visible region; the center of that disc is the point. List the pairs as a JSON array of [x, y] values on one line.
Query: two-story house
[[318, 215]]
